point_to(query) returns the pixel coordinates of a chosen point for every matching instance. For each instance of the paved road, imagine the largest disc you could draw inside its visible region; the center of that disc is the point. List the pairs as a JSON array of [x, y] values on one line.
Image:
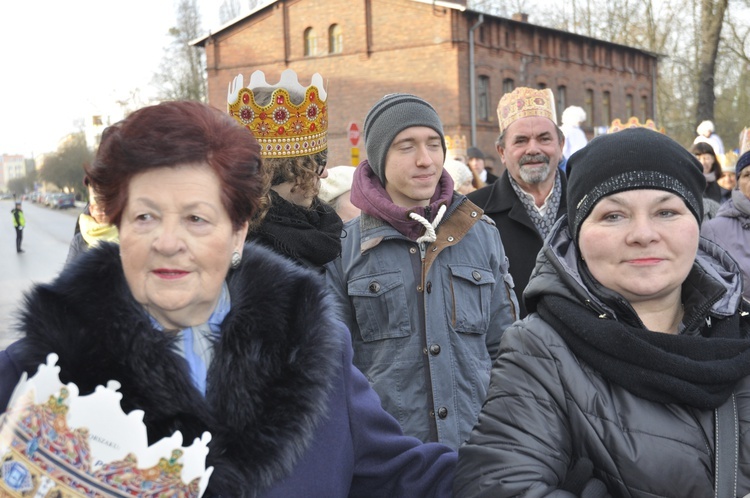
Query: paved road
[[46, 240]]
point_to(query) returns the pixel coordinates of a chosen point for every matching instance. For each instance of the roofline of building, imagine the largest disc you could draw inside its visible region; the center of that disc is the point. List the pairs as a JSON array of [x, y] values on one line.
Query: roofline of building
[[441, 3]]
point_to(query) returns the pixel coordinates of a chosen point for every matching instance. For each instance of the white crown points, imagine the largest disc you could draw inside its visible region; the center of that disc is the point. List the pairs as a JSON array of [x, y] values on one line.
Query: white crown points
[[283, 128], [89, 444]]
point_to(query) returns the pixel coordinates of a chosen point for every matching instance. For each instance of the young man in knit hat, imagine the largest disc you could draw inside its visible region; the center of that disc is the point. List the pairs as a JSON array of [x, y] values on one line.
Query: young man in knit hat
[[529, 197], [423, 280]]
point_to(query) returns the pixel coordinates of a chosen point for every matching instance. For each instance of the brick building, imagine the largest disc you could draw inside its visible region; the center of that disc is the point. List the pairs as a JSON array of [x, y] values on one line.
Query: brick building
[[365, 49]]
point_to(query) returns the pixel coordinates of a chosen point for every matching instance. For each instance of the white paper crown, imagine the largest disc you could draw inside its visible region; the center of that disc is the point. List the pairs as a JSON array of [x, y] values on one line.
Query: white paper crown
[[283, 128], [54, 441]]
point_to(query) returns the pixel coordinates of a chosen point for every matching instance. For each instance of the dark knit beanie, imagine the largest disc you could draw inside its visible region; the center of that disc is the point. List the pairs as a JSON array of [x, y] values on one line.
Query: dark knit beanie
[[742, 163], [631, 159], [390, 116], [474, 152]]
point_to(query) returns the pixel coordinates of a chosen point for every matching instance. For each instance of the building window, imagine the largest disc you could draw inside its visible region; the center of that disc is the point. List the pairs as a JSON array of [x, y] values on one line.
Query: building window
[[508, 85], [483, 98], [335, 39], [482, 34], [542, 46], [590, 52], [608, 57], [311, 42], [589, 107], [644, 108], [562, 100], [606, 108], [628, 106], [541, 85], [564, 49]]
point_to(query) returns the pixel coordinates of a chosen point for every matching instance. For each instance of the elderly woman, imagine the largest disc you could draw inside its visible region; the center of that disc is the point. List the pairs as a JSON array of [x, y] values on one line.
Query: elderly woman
[[638, 340], [731, 226], [207, 334]]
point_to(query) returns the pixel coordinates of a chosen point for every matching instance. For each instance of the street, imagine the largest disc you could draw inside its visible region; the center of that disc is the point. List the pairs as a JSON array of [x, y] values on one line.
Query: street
[[46, 240]]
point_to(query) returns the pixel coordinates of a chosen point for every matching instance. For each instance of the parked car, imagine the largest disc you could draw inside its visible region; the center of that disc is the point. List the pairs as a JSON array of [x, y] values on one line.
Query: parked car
[[64, 201]]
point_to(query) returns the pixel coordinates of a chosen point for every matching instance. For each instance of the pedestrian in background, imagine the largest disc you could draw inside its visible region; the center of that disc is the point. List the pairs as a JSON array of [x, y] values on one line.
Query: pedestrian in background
[[19, 223], [731, 226], [336, 188], [92, 227]]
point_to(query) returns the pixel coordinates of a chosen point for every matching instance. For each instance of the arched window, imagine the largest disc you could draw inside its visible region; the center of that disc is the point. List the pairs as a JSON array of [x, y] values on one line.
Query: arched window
[[311, 42], [508, 85], [335, 39]]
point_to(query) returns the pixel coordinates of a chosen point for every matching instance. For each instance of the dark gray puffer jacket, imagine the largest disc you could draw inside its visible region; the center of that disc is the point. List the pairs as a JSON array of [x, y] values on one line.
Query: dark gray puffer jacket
[[546, 409]]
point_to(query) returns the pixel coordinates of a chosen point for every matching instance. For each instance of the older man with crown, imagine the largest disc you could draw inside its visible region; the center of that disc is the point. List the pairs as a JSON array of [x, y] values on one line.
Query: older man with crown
[[529, 197]]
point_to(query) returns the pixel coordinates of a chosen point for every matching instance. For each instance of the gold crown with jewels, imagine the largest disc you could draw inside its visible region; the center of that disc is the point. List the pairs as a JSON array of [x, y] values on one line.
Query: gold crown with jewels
[[283, 128], [523, 102], [633, 122]]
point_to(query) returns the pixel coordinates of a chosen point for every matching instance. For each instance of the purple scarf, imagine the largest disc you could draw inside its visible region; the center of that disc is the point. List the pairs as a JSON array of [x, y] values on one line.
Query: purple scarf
[[370, 196]]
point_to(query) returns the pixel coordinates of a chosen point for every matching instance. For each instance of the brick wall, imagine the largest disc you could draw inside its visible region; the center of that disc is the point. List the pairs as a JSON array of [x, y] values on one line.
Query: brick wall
[[408, 46]]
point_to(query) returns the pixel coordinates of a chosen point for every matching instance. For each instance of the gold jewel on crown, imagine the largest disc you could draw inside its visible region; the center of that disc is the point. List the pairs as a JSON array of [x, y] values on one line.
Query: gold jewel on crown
[[282, 128], [523, 102], [633, 122]]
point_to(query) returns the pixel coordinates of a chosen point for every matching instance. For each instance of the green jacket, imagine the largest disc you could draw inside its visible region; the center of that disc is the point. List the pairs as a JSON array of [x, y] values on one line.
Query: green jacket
[[18, 218]]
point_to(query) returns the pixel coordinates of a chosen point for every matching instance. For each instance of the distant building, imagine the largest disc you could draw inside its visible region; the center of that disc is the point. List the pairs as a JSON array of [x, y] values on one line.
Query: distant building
[[12, 166], [365, 49]]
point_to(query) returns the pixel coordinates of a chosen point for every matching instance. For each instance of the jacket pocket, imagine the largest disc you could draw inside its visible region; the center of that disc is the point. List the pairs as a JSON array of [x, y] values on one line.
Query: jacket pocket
[[471, 292], [379, 301]]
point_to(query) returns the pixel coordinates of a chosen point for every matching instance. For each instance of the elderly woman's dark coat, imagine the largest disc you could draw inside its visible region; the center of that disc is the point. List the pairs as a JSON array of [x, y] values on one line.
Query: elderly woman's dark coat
[[288, 413]]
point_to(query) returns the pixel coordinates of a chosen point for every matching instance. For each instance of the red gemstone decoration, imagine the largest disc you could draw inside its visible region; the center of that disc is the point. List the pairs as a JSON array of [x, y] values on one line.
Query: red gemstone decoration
[[312, 127], [245, 98], [280, 131], [279, 99], [312, 112], [312, 96], [280, 115], [263, 115]]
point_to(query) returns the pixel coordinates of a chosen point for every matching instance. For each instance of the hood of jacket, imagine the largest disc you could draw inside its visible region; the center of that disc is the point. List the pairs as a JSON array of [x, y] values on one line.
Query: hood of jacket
[[267, 384], [557, 272]]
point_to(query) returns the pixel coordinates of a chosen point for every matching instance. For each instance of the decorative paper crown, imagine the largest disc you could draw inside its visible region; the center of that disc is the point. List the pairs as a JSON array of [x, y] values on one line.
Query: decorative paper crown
[[744, 140], [455, 147], [54, 442], [282, 128], [633, 122], [523, 102]]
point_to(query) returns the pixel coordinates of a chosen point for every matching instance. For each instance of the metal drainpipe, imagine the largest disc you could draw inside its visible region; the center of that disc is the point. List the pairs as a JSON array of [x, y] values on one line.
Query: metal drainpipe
[[472, 82]]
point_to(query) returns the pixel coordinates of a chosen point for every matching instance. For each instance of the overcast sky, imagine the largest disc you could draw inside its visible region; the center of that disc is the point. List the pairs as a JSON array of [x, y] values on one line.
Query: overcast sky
[[63, 60]]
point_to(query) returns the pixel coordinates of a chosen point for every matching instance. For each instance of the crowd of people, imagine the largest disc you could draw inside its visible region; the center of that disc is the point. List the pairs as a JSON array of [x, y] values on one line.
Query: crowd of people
[[414, 326]]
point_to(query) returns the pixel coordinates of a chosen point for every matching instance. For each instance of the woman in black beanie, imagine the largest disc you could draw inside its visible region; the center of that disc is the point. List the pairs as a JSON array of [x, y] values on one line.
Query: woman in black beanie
[[630, 377]]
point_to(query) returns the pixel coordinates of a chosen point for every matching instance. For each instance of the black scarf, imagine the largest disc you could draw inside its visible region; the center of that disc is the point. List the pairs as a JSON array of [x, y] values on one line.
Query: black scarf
[[309, 235], [698, 371]]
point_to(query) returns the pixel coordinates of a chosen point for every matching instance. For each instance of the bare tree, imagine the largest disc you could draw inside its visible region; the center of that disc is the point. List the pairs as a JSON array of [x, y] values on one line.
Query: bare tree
[[712, 20], [181, 75], [229, 10]]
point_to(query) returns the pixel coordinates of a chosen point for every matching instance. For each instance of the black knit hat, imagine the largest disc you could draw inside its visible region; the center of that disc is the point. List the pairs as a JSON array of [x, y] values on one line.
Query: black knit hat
[[474, 152], [742, 163], [631, 159], [390, 116]]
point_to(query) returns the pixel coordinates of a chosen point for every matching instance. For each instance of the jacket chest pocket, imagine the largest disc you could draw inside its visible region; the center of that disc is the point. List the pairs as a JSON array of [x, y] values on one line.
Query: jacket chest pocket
[[379, 302], [470, 299]]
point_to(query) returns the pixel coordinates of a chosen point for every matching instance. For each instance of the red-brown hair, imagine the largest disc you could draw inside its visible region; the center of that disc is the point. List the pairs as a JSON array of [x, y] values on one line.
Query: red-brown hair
[[174, 134]]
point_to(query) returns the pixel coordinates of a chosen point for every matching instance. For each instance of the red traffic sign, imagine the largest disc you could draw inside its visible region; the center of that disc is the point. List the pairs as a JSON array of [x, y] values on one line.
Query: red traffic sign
[[352, 132]]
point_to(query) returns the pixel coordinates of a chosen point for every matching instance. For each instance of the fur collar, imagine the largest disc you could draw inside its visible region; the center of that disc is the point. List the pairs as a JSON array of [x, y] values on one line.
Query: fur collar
[[267, 385]]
